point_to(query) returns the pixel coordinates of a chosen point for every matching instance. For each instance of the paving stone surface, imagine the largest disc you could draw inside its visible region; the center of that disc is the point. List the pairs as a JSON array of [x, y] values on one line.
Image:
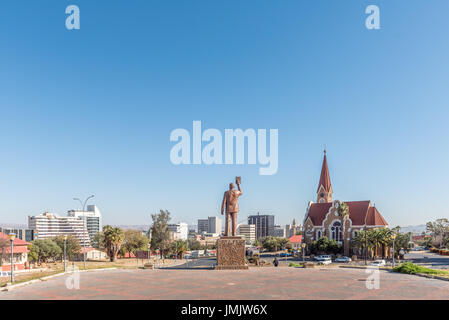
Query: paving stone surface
[[255, 283]]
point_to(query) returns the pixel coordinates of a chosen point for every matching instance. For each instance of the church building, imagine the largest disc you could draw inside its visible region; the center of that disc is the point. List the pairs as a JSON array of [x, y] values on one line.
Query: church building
[[322, 218]]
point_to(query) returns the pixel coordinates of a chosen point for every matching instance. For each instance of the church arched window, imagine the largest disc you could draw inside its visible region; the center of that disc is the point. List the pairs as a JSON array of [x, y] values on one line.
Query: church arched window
[[336, 231]]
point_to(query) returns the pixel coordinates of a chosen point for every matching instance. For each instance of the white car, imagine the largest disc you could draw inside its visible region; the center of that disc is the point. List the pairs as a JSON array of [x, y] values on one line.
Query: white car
[[343, 259], [379, 263], [325, 261], [323, 257]]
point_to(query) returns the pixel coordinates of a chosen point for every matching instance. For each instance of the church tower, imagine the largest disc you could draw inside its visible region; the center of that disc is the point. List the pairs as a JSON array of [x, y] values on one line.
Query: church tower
[[324, 191]]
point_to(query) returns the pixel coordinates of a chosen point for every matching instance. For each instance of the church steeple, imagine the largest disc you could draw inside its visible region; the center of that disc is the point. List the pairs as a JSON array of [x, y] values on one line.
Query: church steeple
[[324, 191]]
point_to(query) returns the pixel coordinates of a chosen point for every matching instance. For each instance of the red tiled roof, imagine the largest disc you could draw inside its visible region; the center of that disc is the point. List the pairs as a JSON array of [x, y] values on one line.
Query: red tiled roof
[[318, 211], [375, 218], [420, 237], [20, 246], [325, 179], [17, 249], [358, 211], [16, 242], [295, 239]]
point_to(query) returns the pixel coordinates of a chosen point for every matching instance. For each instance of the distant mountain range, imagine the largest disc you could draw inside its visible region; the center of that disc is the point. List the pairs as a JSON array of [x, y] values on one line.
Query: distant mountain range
[[414, 229], [14, 225]]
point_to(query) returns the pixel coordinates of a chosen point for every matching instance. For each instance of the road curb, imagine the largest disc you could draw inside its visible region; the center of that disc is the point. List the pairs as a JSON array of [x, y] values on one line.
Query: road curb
[[10, 287], [365, 267], [431, 276]]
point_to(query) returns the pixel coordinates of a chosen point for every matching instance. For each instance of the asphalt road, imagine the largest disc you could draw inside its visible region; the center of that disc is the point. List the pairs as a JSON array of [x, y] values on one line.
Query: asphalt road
[[200, 263], [428, 259]]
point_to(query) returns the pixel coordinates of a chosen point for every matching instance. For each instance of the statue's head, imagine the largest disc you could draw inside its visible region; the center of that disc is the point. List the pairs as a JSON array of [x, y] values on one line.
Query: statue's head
[[231, 186]]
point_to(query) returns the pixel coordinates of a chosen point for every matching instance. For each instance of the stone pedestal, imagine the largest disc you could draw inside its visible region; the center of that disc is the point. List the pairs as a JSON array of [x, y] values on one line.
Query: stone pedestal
[[231, 254]]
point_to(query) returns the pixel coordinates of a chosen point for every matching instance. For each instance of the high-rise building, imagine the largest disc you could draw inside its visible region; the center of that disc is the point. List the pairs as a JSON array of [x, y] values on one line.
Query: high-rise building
[[248, 231], [93, 219], [22, 234], [279, 232], [264, 224], [214, 225], [49, 225], [203, 225], [210, 225], [178, 231]]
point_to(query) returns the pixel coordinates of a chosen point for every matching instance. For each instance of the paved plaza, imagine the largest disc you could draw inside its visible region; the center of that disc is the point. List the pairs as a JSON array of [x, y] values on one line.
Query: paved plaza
[[255, 283]]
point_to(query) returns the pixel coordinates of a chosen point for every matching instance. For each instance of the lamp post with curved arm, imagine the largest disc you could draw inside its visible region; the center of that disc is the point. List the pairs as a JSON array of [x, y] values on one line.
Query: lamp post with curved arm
[[11, 237], [83, 204]]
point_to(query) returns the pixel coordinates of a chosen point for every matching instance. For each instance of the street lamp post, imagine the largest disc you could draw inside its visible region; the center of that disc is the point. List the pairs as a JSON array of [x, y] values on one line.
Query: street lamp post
[[85, 225], [11, 237], [149, 245], [65, 244], [303, 252], [366, 243], [393, 237]]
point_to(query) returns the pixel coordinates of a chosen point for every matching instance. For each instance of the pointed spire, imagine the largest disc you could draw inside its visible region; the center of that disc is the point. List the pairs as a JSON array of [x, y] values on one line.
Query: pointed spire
[[325, 179]]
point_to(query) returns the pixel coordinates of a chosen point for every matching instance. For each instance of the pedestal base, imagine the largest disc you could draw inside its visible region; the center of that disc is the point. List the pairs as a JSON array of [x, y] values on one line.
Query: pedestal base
[[231, 254]]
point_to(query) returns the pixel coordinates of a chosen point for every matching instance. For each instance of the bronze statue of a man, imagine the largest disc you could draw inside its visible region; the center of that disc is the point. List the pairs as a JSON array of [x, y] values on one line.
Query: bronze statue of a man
[[231, 204]]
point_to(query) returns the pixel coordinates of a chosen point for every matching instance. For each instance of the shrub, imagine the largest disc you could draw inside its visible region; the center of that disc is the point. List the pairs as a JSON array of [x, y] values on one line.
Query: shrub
[[296, 265], [411, 268]]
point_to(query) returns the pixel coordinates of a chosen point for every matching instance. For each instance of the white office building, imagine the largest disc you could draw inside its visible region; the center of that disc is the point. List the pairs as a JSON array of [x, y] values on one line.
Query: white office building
[[179, 231], [210, 225], [248, 231], [92, 216], [214, 225], [49, 225]]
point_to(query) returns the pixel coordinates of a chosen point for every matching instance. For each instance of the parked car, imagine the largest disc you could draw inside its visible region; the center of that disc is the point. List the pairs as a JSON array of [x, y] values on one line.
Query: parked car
[[343, 259], [285, 254], [379, 263], [323, 257], [325, 261]]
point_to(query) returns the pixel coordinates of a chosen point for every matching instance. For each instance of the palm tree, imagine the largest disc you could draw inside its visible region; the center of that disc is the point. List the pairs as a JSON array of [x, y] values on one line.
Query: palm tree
[[343, 211], [367, 240], [385, 239], [179, 248], [358, 241], [379, 238], [112, 239]]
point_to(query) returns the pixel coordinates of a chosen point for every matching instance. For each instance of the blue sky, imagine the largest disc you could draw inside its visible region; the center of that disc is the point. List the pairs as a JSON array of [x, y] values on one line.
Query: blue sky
[[90, 111]]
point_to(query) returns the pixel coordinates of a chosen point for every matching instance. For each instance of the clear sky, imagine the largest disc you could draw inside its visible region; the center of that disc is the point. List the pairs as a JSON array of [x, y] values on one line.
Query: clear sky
[[90, 111]]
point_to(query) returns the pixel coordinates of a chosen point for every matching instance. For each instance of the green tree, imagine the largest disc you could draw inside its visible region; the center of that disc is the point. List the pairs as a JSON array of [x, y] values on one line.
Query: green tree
[[4, 245], [343, 212], [193, 244], [44, 250], [73, 246], [270, 243], [111, 239], [324, 245], [160, 234], [402, 242], [284, 243], [384, 235], [134, 241], [178, 247], [33, 254], [439, 230]]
